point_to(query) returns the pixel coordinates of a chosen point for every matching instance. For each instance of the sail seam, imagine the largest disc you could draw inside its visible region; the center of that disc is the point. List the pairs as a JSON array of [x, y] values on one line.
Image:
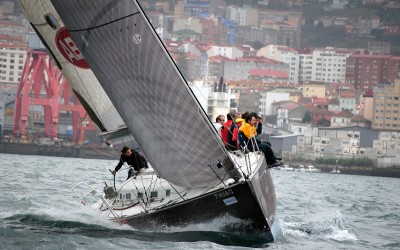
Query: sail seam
[[104, 24]]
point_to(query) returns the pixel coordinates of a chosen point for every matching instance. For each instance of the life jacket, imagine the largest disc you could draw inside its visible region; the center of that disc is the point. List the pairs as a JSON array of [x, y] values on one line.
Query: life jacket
[[247, 133], [232, 137], [224, 131]]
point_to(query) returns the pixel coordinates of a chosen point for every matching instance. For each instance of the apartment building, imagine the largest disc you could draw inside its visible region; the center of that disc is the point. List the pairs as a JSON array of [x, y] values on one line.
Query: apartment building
[[239, 69], [367, 104], [386, 115], [12, 60], [379, 47], [242, 16], [202, 29], [231, 52], [305, 68], [269, 97], [342, 119], [329, 64], [314, 89], [367, 71], [196, 7], [284, 54], [347, 100], [350, 142], [283, 27]]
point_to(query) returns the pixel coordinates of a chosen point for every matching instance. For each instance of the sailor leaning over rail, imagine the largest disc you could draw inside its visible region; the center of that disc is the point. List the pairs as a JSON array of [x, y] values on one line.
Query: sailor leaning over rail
[[132, 158], [248, 137]]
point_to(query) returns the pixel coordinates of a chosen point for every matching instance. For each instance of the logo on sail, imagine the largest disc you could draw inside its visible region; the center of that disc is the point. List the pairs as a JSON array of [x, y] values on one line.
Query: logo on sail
[[69, 50]]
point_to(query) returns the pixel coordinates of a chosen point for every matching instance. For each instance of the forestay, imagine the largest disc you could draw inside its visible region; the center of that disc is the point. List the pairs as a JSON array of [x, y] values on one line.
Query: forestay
[[82, 80], [140, 78]]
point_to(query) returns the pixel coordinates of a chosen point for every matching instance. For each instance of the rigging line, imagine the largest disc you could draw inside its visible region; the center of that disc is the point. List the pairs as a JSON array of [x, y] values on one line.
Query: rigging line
[[137, 196], [99, 151], [155, 181], [104, 24], [144, 186]]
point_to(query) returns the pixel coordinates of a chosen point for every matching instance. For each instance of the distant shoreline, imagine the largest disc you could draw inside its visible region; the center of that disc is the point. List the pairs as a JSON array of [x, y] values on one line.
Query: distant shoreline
[[368, 171], [381, 172], [86, 152], [107, 153]]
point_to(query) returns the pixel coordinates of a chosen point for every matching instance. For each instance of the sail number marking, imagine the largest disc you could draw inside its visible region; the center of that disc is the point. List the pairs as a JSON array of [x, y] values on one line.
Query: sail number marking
[[224, 194]]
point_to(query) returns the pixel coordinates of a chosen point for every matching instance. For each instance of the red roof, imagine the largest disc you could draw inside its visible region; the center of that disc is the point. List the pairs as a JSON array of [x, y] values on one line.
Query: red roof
[[243, 47], [359, 118], [369, 93], [347, 94], [10, 38], [345, 113], [269, 73], [305, 51], [218, 58], [203, 46], [323, 112], [310, 107], [339, 85], [320, 101], [191, 55], [290, 106], [305, 100], [372, 56], [16, 45], [256, 59]]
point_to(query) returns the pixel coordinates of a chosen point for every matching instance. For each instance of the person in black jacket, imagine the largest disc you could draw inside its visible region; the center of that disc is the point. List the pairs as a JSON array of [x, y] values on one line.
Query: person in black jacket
[[133, 158]]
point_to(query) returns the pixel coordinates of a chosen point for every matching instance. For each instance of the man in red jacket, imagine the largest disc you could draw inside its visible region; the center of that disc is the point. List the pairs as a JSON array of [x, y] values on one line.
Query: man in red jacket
[[225, 128]]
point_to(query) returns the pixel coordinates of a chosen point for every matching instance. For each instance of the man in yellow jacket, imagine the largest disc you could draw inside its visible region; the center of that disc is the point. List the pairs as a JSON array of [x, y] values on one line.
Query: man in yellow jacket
[[248, 137]]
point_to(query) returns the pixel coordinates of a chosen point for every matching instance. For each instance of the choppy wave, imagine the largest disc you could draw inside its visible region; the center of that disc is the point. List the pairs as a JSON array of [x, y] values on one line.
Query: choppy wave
[[46, 224]]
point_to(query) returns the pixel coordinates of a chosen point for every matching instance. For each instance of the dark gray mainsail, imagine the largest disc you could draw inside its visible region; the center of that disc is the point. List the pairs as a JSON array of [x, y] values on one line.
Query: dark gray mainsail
[[143, 83], [82, 80]]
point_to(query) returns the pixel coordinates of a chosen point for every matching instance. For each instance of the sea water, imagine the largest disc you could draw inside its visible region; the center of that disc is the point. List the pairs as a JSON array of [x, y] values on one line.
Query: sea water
[[314, 211]]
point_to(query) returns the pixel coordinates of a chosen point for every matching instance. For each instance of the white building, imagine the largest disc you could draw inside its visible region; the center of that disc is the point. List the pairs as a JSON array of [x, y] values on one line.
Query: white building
[[347, 100], [292, 58], [239, 69], [339, 4], [213, 102], [230, 52], [329, 64], [242, 16], [305, 69], [12, 60], [269, 97], [282, 118], [284, 54], [342, 119]]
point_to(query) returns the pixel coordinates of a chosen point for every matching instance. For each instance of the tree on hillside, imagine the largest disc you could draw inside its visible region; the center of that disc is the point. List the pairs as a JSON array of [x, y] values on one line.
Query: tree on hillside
[[324, 123], [307, 118]]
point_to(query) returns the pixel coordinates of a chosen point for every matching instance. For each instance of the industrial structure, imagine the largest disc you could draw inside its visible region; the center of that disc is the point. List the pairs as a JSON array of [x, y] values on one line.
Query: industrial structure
[[42, 84]]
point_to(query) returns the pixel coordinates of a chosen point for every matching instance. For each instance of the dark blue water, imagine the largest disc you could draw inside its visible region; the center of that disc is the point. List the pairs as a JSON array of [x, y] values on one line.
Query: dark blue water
[[315, 211]]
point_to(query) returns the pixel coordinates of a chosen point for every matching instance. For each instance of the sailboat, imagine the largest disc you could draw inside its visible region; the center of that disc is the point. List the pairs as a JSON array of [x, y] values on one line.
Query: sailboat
[[131, 88]]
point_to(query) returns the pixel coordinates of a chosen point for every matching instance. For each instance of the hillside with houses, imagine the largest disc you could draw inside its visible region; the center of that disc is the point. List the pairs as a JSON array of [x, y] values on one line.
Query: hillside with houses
[[323, 74]]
